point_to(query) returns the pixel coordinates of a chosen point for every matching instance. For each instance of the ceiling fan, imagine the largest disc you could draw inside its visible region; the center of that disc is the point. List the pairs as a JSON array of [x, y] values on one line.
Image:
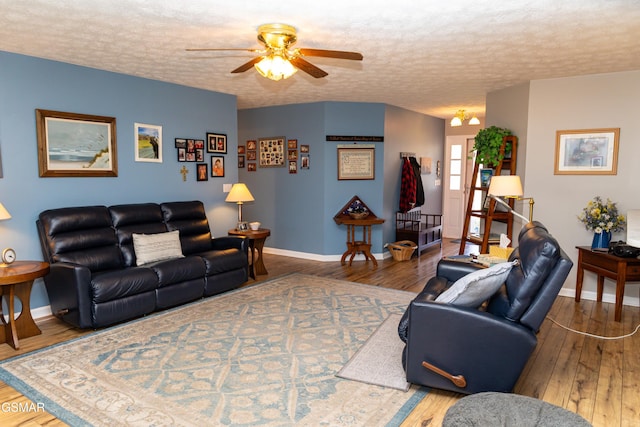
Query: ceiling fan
[[279, 60]]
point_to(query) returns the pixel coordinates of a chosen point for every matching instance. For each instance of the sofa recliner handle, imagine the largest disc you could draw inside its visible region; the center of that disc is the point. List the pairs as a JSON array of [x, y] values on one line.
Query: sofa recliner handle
[[457, 380]]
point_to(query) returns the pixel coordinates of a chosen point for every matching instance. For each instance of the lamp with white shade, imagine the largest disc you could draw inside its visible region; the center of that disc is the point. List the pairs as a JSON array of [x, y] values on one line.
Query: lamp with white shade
[[8, 254], [239, 194], [509, 187]]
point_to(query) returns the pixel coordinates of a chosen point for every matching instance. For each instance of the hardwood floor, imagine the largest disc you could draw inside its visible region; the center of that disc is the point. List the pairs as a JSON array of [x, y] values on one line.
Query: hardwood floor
[[598, 379]]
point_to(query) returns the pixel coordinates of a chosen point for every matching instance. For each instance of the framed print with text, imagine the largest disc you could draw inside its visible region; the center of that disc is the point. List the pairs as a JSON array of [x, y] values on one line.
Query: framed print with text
[[356, 163]]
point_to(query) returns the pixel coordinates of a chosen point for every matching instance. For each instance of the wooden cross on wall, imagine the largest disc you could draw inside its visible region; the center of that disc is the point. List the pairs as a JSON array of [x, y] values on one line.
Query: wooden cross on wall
[[184, 173]]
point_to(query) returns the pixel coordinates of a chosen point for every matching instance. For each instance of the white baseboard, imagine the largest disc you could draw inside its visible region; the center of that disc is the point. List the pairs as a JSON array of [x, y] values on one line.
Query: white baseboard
[[40, 312], [593, 296]]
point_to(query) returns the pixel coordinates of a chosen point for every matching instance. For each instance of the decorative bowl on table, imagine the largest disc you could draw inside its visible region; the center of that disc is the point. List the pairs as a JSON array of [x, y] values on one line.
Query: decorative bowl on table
[[254, 225], [358, 215]]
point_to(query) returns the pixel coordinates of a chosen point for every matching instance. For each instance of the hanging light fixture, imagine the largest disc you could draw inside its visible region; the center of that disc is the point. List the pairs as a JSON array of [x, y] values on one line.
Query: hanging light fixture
[[461, 116], [275, 67]]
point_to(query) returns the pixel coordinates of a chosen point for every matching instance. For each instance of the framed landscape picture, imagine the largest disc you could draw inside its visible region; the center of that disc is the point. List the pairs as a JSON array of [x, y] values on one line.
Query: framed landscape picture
[[76, 145], [587, 152]]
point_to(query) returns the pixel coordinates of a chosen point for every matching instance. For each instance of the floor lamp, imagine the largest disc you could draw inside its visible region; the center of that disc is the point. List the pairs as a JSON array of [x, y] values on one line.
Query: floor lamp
[[239, 194], [509, 187]]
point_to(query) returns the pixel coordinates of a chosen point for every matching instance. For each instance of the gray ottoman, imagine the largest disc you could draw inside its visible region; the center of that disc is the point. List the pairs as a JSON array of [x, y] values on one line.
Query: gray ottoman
[[506, 410]]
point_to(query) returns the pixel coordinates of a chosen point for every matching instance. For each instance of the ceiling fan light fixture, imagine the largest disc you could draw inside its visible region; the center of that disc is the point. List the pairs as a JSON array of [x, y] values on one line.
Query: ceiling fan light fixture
[[275, 67], [474, 120]]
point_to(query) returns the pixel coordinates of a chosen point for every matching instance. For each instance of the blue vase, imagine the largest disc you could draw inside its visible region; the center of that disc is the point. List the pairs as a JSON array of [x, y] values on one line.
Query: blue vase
[[601, 240]]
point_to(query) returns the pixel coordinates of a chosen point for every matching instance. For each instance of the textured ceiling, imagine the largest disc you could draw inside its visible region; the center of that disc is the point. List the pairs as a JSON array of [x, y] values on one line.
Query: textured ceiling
[[428, 56]]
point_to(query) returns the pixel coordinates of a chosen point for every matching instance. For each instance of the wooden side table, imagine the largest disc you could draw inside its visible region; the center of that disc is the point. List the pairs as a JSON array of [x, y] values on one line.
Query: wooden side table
[[15, 281], [604, 265], [256, 244], [358, 246]]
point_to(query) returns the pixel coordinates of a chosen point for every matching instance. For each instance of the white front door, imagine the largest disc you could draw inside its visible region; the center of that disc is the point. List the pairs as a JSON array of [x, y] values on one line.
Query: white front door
[[455, 184]]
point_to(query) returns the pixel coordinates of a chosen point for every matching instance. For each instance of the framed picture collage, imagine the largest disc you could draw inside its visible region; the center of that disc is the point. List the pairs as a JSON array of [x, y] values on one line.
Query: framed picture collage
[[195, 150], [273, 152]]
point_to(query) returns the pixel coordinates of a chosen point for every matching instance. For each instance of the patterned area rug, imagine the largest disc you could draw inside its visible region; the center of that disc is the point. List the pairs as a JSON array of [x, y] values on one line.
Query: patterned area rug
[[263, 355]]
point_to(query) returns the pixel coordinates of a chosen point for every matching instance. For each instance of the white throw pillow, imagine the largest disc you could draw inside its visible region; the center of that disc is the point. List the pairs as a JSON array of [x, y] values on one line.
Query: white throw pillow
[[157, 247], [477, 287]]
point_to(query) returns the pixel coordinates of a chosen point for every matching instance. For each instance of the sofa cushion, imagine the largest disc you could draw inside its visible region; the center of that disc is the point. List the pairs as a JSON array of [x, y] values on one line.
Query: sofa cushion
[[475, 288], [156, 247], [116, 284], [140, 218], [178, 270], [190, 218], [80, 235]]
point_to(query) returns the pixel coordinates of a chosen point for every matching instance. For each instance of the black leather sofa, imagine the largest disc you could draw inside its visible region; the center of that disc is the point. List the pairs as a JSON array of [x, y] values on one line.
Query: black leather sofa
[[477, 349], [94, 280]]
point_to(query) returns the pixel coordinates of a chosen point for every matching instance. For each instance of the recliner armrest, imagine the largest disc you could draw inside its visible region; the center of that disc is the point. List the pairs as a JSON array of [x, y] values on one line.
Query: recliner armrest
[[454, 270]]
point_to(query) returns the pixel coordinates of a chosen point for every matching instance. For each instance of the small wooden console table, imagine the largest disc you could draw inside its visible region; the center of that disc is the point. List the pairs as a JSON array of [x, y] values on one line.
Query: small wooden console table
[[607, 265], [15, 281]]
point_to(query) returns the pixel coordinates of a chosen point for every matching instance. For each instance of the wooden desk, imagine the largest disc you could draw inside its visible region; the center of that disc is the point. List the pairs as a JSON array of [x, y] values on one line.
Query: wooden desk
[[256, 244], [355, 246], [604, 265], [15, 282]]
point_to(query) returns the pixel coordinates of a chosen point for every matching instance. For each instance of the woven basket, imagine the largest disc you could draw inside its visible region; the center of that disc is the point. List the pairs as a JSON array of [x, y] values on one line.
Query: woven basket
[[402, 250]]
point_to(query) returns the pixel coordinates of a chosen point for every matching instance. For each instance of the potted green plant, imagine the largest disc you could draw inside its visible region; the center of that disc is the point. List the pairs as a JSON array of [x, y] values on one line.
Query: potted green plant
[[487, 145]]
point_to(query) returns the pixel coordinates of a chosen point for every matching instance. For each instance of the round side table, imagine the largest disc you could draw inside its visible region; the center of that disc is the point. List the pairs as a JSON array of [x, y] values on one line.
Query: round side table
[[16, 280], [256, 243]]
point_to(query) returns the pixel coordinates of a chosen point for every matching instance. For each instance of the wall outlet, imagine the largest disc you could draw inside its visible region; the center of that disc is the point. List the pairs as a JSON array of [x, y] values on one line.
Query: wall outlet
[[438, 183], [226, 188]]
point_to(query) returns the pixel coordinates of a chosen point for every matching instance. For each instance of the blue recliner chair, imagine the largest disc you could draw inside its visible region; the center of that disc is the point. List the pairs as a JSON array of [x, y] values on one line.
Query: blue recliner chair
[[470, 349]]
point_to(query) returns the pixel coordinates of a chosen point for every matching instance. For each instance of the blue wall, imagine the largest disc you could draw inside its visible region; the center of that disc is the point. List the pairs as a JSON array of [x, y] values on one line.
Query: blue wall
[[27, 84], [299, 208]]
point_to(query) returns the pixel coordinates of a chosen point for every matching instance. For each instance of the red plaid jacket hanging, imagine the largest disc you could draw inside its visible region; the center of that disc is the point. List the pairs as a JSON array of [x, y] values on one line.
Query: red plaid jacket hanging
[[407, 187]]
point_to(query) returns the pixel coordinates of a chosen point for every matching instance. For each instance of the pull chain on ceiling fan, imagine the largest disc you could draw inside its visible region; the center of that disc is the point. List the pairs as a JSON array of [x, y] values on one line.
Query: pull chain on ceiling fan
[[279, 60]]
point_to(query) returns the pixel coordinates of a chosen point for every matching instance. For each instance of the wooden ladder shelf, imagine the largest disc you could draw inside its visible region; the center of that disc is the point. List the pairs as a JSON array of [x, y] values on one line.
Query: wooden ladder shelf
[[489, 214]]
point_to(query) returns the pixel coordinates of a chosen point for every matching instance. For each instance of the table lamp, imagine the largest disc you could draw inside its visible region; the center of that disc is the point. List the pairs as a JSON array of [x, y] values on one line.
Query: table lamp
[[4, 214], [8, 254], [510, 187], [239, 194]]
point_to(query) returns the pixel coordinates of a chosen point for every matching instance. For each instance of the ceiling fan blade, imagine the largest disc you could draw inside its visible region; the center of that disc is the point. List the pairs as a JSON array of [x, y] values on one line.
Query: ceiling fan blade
[[308, 67], [248, 65], [340, 54], [205, 49]]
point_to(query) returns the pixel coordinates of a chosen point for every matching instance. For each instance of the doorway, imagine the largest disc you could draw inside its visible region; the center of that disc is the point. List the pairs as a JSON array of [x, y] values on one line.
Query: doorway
[[458, 165]]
